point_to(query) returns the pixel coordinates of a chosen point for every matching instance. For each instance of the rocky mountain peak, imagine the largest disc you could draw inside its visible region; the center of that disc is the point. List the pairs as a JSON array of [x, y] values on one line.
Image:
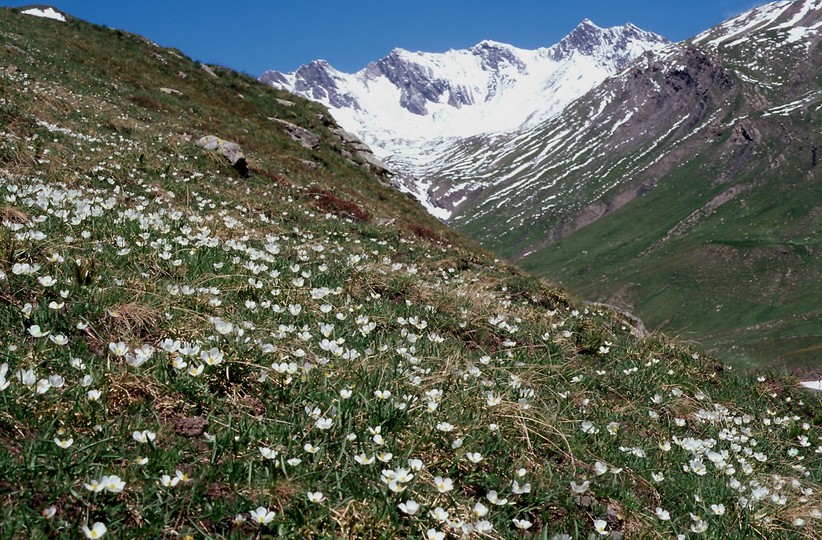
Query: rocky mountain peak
[[494, 55], [418, 97], [614, 44]]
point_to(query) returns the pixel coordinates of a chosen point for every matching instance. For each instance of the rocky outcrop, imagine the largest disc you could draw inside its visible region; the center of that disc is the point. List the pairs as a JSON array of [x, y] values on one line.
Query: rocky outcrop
[[171, 91], [358, 152], [307, 138], [417, 86], [229, 150], [208, 70], [315, 81]]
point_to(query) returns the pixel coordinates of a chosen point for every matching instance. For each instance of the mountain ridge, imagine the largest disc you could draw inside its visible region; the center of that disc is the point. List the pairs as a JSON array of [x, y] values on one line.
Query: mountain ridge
[[408, 102]]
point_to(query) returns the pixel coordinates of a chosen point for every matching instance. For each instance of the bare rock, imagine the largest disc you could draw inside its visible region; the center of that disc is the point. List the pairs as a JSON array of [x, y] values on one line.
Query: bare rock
[[307, 138], [209, 70], [14, 49], [285, 102], [355, 150], [171, 91], [229, 150]]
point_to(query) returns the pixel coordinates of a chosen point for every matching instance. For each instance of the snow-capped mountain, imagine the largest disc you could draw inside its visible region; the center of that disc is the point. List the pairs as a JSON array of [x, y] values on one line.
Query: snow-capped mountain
[[405, 104], [689, 183]]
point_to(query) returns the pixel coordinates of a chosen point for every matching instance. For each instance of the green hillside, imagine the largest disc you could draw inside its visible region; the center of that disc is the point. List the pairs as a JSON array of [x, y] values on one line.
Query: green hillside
[[305, 353], [685, 190]]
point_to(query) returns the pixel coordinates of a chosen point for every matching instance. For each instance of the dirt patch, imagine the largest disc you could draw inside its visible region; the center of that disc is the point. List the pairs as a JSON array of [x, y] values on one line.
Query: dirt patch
[[328, 202]]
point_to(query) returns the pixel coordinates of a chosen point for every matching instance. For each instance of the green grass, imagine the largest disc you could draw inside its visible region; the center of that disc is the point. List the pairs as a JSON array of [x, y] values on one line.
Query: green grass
[[259, 323]]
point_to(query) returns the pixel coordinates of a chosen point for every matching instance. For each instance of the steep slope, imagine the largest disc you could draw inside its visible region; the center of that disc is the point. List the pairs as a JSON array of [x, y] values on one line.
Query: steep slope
[[685, 188], [409, 104], [191, 353]]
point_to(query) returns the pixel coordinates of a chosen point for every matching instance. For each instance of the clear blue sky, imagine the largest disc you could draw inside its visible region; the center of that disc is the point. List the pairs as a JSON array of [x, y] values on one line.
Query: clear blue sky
[[255, 35]]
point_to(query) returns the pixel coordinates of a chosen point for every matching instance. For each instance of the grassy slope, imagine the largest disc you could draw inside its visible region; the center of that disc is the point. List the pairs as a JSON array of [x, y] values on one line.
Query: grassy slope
[[743, 281], [274, 346]]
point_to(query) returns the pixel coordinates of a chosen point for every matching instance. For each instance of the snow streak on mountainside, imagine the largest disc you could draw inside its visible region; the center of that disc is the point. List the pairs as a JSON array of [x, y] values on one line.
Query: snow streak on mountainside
[[686, 184], [409, 104]]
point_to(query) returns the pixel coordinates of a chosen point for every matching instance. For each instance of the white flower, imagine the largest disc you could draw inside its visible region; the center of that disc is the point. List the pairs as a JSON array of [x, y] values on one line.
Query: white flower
[[222, 326], [113, 483], [96, 531], [718, 509], [262, 515], [432, 534], [43, 386], [395, 486], [699, 527], [600, 526], [63, 443], [520, 489], [46, 281], [443, 484], [363, 459], [480, 510], [580, 488], [522, 524], [315, 496], [195, 371], [59, 339], [35, 331], [144, 436], [94, 395], [664, 515], [268, 453], [27, 377], [600, 468], [95, 485], [119, 348], [445, 427], [169, 481], [438, 513], [324, 423], [473, 457], [310, 448], [409, 507], [494, 499]]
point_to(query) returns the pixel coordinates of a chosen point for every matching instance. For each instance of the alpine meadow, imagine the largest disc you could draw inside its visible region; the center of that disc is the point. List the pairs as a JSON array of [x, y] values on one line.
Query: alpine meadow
[[221, 318]]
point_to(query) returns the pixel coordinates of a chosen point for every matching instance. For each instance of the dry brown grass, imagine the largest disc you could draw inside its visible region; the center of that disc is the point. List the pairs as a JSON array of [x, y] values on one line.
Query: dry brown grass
[[13, 214], [131, 321]]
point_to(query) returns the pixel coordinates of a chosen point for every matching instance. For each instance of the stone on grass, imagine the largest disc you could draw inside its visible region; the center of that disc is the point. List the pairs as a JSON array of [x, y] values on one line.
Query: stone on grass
[[229, 150]]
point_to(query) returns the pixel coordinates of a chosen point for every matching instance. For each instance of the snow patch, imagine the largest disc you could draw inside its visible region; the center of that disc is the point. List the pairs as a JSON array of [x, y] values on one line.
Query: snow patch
[[47, 13]]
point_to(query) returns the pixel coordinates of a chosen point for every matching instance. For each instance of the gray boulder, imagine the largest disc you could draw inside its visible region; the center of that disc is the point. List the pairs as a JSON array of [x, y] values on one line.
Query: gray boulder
[[307, 138], [229, 150]]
